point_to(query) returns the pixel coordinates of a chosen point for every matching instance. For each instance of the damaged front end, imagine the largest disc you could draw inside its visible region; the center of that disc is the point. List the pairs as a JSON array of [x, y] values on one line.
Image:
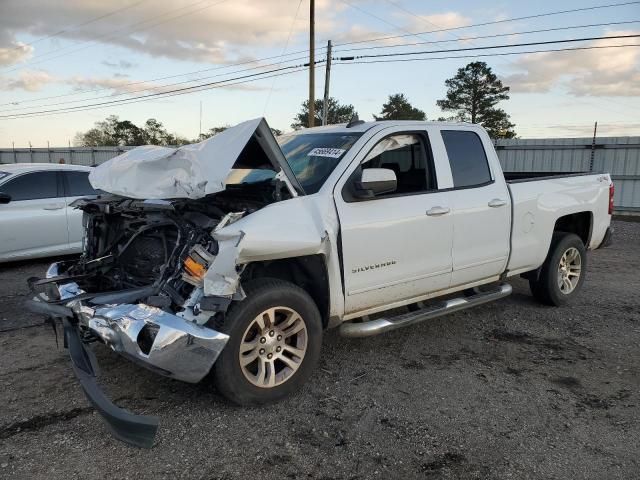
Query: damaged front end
[[139, 286]]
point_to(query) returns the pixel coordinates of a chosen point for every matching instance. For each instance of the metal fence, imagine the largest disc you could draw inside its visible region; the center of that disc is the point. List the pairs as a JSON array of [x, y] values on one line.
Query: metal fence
[[73, 155], [619, 156]]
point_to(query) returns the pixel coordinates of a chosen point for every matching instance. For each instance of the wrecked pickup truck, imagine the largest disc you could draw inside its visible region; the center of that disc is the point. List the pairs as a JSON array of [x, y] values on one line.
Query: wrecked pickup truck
[[230, 257]]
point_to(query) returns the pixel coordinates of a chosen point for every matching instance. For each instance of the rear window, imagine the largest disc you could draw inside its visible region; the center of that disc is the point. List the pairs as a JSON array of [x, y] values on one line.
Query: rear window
[[32, 186], [467, 158], [78, 184]]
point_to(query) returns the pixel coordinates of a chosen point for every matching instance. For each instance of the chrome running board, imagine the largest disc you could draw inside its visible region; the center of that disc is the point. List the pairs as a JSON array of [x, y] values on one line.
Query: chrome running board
[[381, 325]]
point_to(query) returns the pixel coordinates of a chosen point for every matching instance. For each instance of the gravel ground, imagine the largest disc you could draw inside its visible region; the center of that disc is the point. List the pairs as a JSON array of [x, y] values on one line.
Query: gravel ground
[[511, 389]]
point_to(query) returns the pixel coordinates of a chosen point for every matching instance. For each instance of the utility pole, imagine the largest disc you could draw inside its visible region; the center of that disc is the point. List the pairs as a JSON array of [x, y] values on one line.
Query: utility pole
[[593, 146], [327, 78], [200, 131], [312, 62]]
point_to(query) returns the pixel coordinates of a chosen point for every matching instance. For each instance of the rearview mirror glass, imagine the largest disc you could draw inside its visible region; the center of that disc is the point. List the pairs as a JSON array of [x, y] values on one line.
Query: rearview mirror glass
[[4, 198]]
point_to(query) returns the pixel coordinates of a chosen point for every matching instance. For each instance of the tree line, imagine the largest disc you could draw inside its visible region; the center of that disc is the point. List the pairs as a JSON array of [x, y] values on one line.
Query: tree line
[[473, 95]]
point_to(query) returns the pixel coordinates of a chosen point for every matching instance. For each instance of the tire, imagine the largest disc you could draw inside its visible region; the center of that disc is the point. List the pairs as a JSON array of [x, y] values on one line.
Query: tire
[[551, 287], [269, 307]]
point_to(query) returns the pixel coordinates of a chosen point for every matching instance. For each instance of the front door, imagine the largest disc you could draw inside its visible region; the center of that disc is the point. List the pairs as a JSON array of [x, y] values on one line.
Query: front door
[[396, 246]]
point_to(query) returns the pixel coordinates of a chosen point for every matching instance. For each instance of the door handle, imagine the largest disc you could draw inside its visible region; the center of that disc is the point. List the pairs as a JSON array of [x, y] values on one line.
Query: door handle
[[437, 211], [54, 206], [497, 202]]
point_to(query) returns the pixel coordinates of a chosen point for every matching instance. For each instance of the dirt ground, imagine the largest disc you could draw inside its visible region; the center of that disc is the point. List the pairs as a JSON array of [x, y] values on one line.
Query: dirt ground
[[511, 389]]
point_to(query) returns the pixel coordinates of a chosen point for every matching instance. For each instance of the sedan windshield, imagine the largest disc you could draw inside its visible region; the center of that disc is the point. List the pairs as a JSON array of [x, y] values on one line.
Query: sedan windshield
[[313, 156]]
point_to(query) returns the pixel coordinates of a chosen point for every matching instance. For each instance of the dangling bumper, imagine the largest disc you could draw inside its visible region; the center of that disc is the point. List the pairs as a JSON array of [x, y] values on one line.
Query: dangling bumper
[[151, 337]]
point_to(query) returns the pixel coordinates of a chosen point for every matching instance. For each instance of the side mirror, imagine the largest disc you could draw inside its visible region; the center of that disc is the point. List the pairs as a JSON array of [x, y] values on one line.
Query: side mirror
[[375, 181], [4, 198]]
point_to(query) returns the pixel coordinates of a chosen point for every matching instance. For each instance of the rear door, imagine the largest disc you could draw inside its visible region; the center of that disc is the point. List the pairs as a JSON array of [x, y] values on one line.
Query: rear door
[[395, 246], [34, 222], [481, 207], [76, 184]]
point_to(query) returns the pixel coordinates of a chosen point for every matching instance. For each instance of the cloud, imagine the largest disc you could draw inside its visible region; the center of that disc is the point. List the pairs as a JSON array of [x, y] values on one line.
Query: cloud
[[211, 31], [29, 80], [214, 31], [15, 52], [123, 64], [117, 85], [598, 72]]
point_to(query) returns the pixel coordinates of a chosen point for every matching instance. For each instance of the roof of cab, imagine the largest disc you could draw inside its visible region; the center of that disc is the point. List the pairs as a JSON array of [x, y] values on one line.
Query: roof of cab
[[364, 126], [14, 168]]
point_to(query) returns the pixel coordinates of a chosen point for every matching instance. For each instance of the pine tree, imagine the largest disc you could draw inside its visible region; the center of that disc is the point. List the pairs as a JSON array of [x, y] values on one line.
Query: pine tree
[[337, 113], [473, 95], [399, 108]]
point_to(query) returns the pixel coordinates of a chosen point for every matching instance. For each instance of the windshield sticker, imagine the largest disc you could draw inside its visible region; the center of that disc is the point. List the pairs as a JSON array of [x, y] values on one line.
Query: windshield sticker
[[326, 152]]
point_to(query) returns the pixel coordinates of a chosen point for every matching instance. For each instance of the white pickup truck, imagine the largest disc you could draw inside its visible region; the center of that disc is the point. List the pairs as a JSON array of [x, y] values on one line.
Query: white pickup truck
[[230, 257]]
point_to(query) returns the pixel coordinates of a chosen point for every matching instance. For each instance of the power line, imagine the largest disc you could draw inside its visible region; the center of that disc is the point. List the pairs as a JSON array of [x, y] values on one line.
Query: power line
[[497, 35], [190, 89], [152, 88], [262, 75], [219, 67], [357, 62], [140, 82], [507, 59], [505, 20], [449, 50], [127, 101], [477, 55], [397, 27]]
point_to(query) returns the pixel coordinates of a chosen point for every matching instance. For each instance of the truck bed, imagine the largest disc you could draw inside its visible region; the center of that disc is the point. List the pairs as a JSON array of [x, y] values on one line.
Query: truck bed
[[519, 177], [540, 199]]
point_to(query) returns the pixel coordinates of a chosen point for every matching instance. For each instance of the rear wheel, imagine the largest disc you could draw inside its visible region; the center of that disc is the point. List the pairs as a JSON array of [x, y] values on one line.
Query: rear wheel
[[275, 340], [563, 272]]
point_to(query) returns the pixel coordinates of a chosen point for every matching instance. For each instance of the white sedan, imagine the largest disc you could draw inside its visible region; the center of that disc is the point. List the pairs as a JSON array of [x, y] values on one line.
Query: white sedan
[[35, 217]]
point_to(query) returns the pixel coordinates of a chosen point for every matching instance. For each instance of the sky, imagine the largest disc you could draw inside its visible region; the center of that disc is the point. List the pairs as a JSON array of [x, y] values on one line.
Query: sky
[[58, 54]]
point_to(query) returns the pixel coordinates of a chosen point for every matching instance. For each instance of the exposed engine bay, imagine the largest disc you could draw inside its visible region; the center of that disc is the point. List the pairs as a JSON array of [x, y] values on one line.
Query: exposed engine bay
[[157, 251]]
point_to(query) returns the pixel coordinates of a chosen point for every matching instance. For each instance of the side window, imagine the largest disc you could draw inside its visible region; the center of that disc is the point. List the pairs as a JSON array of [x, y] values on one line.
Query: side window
[[78, 184], [467, 158], [407, 156], [32, 186]]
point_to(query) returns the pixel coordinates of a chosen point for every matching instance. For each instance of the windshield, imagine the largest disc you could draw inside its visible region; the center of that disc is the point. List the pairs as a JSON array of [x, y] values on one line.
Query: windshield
[[313, 156]]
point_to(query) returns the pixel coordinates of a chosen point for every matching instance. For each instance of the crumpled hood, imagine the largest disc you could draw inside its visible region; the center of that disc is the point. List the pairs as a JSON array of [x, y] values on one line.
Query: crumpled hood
[[191, 171]]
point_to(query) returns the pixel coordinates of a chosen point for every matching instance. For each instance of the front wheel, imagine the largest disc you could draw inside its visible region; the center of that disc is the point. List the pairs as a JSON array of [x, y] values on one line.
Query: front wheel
[[563, 272], [275, 340]]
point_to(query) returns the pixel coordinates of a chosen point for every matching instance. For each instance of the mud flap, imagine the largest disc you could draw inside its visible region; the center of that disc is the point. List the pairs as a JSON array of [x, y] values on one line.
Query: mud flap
[[136, 430]]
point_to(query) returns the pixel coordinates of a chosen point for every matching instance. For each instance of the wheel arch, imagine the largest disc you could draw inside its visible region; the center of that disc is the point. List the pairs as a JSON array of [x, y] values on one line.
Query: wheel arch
[[309, 272], [580, 223]]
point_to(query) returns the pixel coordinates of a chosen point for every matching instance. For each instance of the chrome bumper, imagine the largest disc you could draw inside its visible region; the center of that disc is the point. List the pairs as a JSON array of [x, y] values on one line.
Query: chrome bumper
[[155, 339], [149, 336]]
